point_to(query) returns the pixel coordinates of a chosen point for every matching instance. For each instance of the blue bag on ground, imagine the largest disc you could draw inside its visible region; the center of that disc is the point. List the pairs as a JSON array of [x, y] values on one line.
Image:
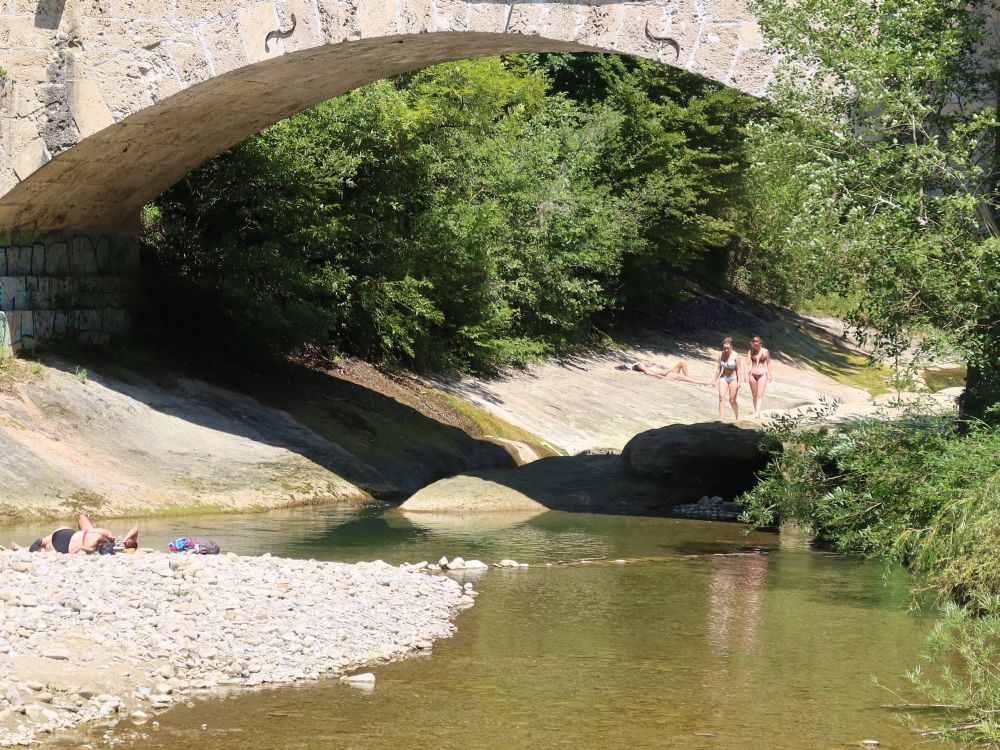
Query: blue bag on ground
[[195, 544]]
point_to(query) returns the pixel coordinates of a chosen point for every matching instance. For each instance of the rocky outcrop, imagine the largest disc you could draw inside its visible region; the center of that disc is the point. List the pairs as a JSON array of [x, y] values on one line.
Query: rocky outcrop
[[470, 494], [711, 458], [589, 484]]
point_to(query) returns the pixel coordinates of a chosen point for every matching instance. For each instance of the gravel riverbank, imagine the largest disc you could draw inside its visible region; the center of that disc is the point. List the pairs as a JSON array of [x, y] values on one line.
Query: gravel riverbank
[[101, 639]]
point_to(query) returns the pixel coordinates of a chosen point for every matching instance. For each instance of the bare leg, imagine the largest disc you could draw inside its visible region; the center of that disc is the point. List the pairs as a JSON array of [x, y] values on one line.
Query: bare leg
[[685, 379], [14, 545], [132, 537], [761, 388], [734, 388], [723, 392], [680, 368], [84, 522], [754, 385]]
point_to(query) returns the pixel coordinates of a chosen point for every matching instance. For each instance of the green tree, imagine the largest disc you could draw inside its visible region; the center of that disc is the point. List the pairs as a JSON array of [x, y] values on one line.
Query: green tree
[[466, 215], [877, 178]]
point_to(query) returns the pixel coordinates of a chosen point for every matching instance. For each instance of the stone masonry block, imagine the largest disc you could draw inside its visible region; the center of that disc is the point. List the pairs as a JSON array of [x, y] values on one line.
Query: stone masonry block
[[44, 323], [717, 50], [115, 321], [6, 349], [307, 32], [560, 21], [21, 326], [490, 17], [377, 18], [146, 9], [525, 19], [57, 260], [225, 46], [255, 24], [11, 292], [339, 20], [32, 156], [82, 260], [752, 72], [729, 10], [103, 254], [60, 292], [86, 104], [89, 320], [190, 63], [38, 260], [639, 23], [414, 16], [199, 11], [600, 25], [751, 37], [18, 262], [42, 293], [19, 32]]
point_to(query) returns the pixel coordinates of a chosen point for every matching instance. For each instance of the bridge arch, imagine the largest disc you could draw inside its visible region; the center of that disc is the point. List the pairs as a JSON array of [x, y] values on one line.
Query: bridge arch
[[109, 102]]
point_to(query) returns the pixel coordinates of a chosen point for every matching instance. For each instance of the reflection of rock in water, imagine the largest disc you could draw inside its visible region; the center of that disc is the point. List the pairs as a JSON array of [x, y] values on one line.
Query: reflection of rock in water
[[471, 522]]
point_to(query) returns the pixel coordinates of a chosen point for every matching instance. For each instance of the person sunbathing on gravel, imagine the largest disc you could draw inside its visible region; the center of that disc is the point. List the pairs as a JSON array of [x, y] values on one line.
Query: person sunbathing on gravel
[[88, 539], [677, 372]]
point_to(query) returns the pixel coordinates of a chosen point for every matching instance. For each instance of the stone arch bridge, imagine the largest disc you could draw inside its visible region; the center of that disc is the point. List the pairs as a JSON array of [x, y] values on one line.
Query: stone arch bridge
[[106, 103]]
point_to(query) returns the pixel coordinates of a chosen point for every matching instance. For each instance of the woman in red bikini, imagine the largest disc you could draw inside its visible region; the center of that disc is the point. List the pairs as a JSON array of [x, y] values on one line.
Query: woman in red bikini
[[85, 540], [758, 373]]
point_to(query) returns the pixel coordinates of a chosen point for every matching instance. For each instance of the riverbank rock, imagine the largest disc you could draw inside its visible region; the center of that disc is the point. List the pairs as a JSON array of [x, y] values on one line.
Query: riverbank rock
[[711, 458], [137, 642], [469, 493], [591, 483]]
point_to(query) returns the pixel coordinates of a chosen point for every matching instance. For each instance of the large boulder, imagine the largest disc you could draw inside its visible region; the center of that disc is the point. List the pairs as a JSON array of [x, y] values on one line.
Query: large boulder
[[586, 483], [470, 494], [711, 458]]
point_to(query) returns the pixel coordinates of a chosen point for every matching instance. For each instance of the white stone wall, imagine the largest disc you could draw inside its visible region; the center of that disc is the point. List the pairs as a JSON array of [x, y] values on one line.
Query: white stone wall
[[155, 87]]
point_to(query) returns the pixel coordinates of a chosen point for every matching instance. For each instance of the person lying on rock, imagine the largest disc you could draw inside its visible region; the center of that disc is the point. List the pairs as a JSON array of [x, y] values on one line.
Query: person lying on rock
[[88, 539], [677, 372]]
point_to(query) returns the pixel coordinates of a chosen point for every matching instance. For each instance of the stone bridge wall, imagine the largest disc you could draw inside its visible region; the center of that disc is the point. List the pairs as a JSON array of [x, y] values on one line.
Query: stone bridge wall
[[106, 103], [77, 290]]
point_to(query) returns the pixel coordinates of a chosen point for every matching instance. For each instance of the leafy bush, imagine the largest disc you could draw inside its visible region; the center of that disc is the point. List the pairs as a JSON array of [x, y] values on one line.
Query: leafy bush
[[924, 491], [470, 215]]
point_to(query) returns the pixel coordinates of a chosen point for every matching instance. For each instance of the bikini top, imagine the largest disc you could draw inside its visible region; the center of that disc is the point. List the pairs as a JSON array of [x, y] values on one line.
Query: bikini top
[[728, 364], [759, 358]]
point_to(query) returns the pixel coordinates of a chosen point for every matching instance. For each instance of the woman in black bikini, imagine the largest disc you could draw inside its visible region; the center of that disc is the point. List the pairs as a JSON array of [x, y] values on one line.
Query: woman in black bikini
[[88, 539], [728, 379]]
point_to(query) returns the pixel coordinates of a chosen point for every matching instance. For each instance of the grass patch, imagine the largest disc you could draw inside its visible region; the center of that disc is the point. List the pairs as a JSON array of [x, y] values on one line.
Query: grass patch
[[490, 424], [843, 365]]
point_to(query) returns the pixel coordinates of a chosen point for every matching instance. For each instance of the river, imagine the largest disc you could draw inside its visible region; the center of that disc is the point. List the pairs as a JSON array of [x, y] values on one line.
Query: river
[[706, 637]]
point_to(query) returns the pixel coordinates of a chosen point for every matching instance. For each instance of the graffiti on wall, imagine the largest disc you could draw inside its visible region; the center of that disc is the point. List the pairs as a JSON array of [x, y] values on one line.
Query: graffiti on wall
[[75, 289]]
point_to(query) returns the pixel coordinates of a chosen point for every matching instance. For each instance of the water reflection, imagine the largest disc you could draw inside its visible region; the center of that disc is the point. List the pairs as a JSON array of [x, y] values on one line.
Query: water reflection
[[736, 597], [682, 647]]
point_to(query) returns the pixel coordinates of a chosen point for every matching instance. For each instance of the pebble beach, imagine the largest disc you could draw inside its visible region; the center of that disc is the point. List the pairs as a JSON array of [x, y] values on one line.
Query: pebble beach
[[87, 639]]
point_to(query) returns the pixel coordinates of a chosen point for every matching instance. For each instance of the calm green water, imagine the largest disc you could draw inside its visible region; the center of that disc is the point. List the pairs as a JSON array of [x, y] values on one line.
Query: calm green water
[[715, 640]]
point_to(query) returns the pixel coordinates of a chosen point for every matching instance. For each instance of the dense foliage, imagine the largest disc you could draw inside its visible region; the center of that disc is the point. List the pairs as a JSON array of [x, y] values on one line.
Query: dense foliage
[[878, 182], [471, 215], [924, 491]]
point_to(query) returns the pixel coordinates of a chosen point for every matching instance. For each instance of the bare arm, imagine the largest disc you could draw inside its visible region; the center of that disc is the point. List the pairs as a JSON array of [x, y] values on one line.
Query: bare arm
[[749, 368], [770, 377]]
